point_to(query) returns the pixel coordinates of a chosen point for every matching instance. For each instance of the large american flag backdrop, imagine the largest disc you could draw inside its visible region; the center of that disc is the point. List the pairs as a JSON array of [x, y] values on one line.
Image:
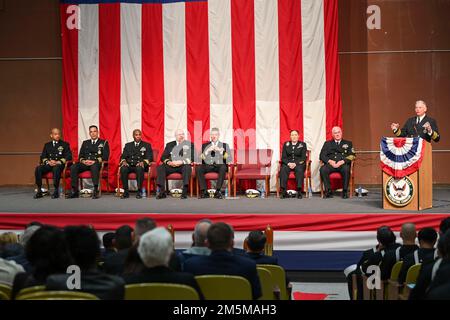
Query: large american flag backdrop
[[257, 67]]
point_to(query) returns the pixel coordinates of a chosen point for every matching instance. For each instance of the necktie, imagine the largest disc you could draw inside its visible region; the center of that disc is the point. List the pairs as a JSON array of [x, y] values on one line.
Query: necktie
[[54, 143], [93, 142], [417, 120]]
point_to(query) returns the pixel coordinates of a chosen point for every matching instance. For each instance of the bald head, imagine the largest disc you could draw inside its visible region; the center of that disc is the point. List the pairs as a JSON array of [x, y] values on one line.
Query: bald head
[[55, 134], [200, 232], [408, 233]]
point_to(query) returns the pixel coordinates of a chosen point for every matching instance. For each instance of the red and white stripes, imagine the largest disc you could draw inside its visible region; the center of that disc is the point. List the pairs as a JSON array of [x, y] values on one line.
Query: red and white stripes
[[254, 68]]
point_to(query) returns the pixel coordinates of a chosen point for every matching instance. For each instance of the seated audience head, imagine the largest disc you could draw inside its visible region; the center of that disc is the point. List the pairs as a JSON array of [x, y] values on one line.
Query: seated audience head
[[108, 240], [385, 236], [8, 238], [427, 238], [155, 247], [220, 236], [48, 252], [84, 246], [444, 226], [123, 237], [29, 231], [200, 232], [408, 233], [444, 245], [256, 241], [142, 226], [34, 223]]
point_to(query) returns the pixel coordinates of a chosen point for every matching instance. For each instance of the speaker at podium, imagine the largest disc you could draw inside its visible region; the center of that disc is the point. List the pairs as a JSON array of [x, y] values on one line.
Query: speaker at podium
[[407, 169]]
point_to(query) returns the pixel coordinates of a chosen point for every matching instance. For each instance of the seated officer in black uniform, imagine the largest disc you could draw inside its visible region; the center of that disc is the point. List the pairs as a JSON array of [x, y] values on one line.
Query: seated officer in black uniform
[[177, 157], [136, 157], [419, 126], [337, 155], [293, 158], [215, 156], [92, 153], [53, 158]]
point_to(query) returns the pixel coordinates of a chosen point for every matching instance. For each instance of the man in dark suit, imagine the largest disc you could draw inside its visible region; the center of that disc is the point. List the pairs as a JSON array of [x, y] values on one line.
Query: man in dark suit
[[222, 260], [53, 158], [256, 241], [387, 257], [386, 239], [337, 155], [215, 157], [293, 158], [176, 158], [426, 252], [136, 157], [155, 249], [123, 240], [84, 247], [419, 126], [92, 153]]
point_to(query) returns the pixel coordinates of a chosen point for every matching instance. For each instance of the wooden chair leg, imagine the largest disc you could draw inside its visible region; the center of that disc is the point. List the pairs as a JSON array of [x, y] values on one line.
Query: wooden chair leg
[[229, 185], [234, 186], [118, 185], [148, 186], [278, 186], [267, 187], [191, 184]]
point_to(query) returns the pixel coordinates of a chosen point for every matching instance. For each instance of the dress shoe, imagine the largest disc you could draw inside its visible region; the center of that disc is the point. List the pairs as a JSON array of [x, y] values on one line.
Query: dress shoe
[[38, 195], [125, 195], [218, 195], [299, 194], [283, 195], [73, 195], [161, 195], [184, 195], [55, 195], [328, 194], [204, 195], [95, 194], [138, 195], [344, 194]]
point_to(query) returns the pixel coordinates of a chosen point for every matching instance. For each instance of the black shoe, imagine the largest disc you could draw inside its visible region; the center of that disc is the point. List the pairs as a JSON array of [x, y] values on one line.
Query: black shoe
[[55, 195], [299, 194], [328, 194], [125, 195], [184, 195], [95, 194], [161, 195], [344, 194], [218, 195], [38, 195], [283, 195], [204, 195], [73, 195], [138, 195]]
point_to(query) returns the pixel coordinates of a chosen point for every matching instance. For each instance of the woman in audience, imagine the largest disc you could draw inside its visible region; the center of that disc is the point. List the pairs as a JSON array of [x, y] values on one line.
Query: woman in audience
[[48, 253], [84, 247], [9, 245]]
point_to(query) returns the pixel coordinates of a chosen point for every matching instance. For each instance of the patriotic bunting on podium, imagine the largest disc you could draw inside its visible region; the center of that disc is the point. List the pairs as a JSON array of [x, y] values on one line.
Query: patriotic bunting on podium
[[401, 156]]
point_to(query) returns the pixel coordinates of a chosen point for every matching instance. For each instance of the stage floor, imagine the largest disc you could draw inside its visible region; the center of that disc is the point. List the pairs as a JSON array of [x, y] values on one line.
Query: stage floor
[[20, 200], [309, 234]]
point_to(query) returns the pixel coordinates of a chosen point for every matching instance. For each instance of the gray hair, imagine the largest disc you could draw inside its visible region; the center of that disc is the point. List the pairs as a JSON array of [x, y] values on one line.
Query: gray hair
[[27, 235], [155, 247], [200, 232], [421, 102]]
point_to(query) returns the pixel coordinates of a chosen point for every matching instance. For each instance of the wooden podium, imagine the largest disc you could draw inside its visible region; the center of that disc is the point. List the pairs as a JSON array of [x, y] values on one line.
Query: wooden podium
[[422, 182]]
